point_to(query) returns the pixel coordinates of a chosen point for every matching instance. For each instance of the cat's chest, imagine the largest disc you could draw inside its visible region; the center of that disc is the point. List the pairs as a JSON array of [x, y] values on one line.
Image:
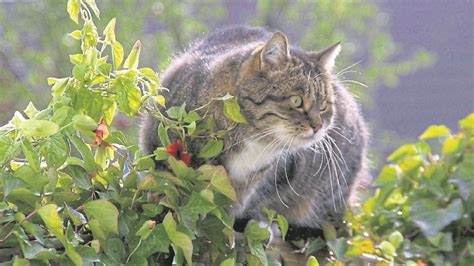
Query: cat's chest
[[250, 159]]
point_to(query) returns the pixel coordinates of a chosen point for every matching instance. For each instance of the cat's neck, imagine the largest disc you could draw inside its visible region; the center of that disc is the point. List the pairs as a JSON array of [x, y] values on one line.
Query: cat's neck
[[251, 158]]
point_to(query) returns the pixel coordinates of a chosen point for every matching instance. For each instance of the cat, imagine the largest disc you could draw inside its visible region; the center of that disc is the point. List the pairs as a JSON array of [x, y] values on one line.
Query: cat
[[303, 152]]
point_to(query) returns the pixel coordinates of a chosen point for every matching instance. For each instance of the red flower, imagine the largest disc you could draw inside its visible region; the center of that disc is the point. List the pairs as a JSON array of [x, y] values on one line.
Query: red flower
[[101, 133], [176, 150]]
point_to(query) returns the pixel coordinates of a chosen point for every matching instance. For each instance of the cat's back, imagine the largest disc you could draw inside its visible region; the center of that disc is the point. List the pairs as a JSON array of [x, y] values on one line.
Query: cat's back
[[228, 39], [188, 73]]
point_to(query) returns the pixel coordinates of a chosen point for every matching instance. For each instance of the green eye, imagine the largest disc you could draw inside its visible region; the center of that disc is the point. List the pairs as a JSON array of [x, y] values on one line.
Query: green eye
[[296, 101], [323, 106]]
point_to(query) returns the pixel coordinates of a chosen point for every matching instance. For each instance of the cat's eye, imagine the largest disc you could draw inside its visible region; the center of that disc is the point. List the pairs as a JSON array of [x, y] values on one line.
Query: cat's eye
[[296, 101], [323, 106]]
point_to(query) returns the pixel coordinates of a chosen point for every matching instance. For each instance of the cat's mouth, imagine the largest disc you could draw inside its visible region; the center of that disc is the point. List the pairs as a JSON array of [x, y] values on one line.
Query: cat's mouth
[[309, 137]]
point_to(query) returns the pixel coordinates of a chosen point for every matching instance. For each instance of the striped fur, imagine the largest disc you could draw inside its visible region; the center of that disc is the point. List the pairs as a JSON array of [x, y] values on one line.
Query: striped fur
[[277, 160]]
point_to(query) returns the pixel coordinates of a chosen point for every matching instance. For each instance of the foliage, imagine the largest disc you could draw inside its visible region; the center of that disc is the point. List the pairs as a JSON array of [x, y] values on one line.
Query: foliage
[[76, 191], [422, 210]]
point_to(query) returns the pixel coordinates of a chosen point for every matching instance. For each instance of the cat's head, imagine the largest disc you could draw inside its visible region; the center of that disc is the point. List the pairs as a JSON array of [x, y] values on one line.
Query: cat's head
[[288, 94]]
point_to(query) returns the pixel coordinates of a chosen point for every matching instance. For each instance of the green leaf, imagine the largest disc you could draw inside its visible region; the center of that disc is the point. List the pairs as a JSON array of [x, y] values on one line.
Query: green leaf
[[451, 146], [338, 247], [59, 86], [76, 217], [73, 8], [63, 115], [161, 154], [85, 152], [84, 123], [435, 131], [38, 128], [55, 150], [467, 124], [157, 241], [212, 148], [146, 229], [232, 111], [329, 232], [196, 205], [219, 180], [175, 112], [180, 169], [105, 213], [38, 252], [132, 59], [33, 178], [160, 99], [149, 74], [283, 224], [179, 239], [427, 215], [360, 246], [31, 155], [228, 262], [254, 232], [388, 249], [31, 110], [76, 34], [152, 209], [117, 53], [115, 249], [81, 178], [109, 31], [192, 117], [93, 6], [49, 215], [129, 96], [163, 135], [388, 176], [396, 238], [312, 261], [464, 177]]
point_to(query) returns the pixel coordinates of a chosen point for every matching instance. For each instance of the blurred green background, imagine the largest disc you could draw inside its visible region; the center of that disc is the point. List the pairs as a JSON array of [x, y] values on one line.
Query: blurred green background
[[34, 44]]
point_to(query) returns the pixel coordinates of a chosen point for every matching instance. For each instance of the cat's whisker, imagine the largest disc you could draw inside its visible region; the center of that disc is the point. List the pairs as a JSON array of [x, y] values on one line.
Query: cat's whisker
[[334, 129], [338, 161], [256, 136], [347, 68], [275, 179], [335, 166], [286, 174], [274, 143], [348, 71], [322, 158], [275, 174], [328, 166], [340, 156], [351, 81]]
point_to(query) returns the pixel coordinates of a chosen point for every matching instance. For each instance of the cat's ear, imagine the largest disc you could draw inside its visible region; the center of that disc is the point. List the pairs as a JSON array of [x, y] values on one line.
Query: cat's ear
[[275, 53], [327, 57]]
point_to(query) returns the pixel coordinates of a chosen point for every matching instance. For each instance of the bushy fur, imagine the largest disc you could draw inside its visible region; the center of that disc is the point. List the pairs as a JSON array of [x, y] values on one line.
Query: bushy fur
[[303, 161]]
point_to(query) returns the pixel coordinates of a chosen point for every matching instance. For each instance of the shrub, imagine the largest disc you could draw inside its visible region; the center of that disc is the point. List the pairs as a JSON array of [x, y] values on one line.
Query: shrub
[[75, 191]]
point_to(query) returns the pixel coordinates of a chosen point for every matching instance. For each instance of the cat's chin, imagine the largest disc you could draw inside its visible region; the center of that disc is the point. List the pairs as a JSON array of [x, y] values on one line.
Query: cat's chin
[[308, 139]]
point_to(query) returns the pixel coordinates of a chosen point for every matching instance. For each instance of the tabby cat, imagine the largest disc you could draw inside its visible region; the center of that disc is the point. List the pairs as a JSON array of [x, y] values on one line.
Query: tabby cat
[[304, 150]]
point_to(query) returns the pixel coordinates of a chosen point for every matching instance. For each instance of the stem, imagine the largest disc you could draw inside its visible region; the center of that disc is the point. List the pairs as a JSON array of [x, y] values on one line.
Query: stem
[[134, 250], [13, 230], [134, 198]]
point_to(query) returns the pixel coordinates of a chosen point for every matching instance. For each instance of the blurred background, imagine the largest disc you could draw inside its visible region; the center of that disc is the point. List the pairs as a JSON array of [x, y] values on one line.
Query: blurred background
[[411, 63]]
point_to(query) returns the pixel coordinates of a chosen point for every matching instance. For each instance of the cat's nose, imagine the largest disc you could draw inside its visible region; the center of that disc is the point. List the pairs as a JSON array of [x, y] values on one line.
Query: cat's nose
[[316, 127]]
